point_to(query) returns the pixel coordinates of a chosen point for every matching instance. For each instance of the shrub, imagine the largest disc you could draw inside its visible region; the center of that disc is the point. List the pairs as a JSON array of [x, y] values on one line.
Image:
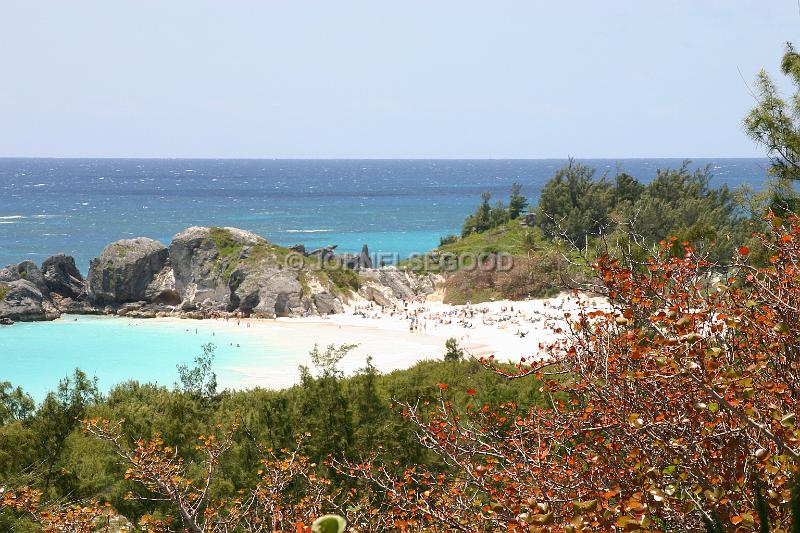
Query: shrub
[[453, 352]]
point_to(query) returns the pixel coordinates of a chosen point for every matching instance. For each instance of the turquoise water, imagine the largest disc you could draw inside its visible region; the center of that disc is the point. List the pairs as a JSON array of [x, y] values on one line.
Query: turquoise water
[[37, 355]]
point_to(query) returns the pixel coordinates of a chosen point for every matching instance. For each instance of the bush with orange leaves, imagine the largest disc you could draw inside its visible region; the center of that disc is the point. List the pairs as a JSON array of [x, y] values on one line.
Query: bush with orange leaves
[[53, 518], [274, 504], [667, 409]]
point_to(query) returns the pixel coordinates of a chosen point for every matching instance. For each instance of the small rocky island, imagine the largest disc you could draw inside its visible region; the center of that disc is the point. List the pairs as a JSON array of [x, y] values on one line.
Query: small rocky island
[[204, 272]]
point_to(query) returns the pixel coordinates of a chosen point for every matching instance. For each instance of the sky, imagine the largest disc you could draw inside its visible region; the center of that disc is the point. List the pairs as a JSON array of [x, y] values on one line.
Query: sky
[[384, 79]]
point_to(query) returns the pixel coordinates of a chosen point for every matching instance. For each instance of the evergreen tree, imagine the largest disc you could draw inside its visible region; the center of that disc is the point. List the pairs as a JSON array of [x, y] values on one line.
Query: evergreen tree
[[516, 202], [58, 416], [775, 124], [479, 221]]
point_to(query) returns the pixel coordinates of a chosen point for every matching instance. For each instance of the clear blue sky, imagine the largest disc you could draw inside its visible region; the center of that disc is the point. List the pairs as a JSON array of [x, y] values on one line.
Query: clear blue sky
[[379, 78]]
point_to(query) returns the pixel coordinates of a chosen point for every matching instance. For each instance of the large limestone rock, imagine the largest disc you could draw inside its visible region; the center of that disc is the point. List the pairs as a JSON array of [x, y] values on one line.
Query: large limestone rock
[[26, 270], [63, 278], [203, 260], [388, 285], [22, 300], [326, 303], [264, 290], [162, 289], [66, 285], [234, 270], [125, 270]]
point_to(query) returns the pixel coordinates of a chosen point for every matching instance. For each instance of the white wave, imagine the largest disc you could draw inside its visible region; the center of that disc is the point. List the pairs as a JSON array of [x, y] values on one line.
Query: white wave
[[11, 217], [309, 230], [40, 185]]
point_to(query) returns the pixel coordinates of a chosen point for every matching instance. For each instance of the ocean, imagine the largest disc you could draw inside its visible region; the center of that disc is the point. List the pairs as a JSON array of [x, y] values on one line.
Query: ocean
[[77, 206]]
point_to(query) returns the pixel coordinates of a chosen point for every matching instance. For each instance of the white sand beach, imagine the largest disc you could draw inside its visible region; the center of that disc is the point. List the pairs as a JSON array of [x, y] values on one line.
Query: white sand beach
[[506, 329]]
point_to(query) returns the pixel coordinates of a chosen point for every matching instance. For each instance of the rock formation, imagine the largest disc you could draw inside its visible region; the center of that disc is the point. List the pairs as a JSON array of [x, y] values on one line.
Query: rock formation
[[203, 272], [125, 270], [24, 294]]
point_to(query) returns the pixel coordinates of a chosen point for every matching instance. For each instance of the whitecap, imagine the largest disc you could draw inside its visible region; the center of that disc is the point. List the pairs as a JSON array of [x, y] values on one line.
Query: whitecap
[[39, 185], [309, 230], [11, 217]]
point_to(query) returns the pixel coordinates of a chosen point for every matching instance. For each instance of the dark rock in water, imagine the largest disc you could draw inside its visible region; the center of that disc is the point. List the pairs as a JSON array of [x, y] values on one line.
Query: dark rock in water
[[354, 261], [325, 253], [125, 270], [63, 278], [327, 303], [364, 261], [22, 300], [299, 248], [6, 322]]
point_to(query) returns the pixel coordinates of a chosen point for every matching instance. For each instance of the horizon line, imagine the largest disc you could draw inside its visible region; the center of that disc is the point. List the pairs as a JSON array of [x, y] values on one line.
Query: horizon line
[[185, 158]]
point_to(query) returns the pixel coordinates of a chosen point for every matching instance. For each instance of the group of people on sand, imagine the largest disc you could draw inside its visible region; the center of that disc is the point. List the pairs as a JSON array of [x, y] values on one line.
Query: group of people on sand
[[421, 316]]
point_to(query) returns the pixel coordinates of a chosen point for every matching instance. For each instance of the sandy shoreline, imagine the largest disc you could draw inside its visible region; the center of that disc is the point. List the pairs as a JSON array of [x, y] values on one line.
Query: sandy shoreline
[[491, 328]]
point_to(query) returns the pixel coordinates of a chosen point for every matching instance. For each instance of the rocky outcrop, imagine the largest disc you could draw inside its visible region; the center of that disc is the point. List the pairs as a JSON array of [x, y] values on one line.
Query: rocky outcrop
[[229, 269], [364, 260], [66, 285], [390, 283], [63, 278], [28, 292], [23, 300], [124, 271], [328, 304], [204, 272], [26, 270], [163, 290], [326, 253]]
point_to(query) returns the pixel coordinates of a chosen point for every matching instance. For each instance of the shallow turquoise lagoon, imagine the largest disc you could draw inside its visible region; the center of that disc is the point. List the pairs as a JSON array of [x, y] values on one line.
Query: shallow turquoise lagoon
[[36, 355]]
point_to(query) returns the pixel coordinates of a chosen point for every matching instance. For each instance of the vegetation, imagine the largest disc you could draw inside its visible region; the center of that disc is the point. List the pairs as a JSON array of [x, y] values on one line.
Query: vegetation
[[578, 217], [453, 352], [120, 250], [774, 124], [343, 279], [350, 416], [680, 400], [673, 408], [487, 217], [4, 290]]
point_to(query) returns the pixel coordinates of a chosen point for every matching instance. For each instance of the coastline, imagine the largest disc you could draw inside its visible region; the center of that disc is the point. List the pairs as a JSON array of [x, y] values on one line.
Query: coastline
[[494, 329]]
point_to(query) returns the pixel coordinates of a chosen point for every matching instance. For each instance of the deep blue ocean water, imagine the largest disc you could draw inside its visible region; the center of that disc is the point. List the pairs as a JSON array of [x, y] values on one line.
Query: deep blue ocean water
[[77, 206]]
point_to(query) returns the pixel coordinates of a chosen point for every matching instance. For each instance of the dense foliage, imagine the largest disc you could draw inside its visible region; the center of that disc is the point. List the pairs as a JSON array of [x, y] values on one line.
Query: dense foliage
[[43, 447], [577, 214], [487, 217]]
